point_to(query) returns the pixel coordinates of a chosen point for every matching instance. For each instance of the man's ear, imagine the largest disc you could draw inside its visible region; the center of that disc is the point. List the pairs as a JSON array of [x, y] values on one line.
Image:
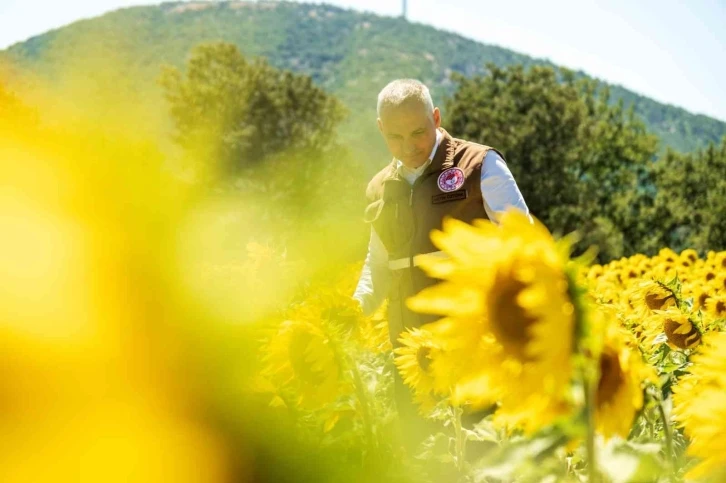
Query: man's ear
[[380, 125], [437, 117]]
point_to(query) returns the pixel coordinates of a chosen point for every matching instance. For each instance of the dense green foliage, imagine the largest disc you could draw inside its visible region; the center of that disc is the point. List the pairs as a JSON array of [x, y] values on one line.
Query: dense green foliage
[[248, 129], [690, 205], [347, 53], [575, 157], [241, 113], [587, 165]]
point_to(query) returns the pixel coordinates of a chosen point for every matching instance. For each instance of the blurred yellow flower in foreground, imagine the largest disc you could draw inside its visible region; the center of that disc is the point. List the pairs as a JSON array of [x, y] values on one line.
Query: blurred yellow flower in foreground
[[301, 360], [619, 394], [505, 287], [89, 371], [456, 365], [699, 406]]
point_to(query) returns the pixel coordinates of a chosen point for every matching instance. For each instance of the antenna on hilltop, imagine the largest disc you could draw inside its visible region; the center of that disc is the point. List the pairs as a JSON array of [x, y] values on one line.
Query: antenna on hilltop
[[404, 9]]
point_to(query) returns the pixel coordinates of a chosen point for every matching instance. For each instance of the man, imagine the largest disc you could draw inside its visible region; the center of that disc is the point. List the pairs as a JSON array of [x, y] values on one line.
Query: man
[[431, 176]]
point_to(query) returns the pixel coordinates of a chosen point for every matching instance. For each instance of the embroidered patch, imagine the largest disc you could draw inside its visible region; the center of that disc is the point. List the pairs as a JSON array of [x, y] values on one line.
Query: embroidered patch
[[444, 197], [451, 180]]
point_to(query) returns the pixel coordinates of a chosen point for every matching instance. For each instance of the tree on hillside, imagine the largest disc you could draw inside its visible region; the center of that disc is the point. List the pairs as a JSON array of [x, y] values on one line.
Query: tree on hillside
[[269, 136], [13, 111], [238, 112], [690, 204], [578, 160]]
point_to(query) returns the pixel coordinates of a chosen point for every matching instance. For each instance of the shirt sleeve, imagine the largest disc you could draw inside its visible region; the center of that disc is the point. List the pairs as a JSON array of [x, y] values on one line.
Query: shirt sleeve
[[375, 277], [498, 187]]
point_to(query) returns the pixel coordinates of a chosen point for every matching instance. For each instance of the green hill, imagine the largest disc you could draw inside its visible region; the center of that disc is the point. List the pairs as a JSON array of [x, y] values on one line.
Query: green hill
[[349, 53]]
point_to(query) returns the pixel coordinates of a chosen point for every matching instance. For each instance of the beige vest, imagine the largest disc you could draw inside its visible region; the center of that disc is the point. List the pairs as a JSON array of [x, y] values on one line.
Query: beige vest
[[404, 215]]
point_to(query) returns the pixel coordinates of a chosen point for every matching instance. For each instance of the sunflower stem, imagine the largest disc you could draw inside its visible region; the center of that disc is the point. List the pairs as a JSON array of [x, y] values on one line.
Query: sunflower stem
[[588, 368], [651, 427], [364, 408], [345, 358], [291, 408], [590, 388], [668, 438], [460, 440]]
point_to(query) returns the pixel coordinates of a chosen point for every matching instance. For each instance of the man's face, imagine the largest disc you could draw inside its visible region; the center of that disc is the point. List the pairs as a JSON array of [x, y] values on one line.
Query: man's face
[[410, 131]]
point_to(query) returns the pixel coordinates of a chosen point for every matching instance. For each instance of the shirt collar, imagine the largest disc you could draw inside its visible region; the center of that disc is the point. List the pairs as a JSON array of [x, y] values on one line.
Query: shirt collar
[[402, 167]]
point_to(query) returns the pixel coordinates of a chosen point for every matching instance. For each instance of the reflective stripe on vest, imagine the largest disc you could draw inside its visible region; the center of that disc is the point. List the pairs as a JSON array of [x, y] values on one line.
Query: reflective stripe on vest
[[401, 263]]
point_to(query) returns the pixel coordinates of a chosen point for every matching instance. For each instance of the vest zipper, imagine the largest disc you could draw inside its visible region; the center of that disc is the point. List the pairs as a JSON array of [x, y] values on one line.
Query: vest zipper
[[413, 218], [416, 183]]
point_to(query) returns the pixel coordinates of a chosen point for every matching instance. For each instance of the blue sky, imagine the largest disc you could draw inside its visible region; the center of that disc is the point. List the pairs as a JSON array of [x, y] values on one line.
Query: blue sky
[[669, 50]]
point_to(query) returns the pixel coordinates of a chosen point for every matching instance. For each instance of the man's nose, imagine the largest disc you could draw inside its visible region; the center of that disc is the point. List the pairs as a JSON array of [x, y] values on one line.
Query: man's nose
[[409, 148]]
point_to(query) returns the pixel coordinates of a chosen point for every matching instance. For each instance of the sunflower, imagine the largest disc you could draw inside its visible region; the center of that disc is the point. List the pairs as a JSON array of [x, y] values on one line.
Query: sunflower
[[719, 283], [300, 359], [413, 359], [629, 274], [608, 294], [699, 406], [506, 287], [619, 394], [456, 369], [645, 265], [329, 304], [700, 294], [680, 331], [664, 264], [605, 288], [719, 260], [709, 273], [716, 306], [374, 331], [594, 272], [343, 316], [666, 255], [689, 254], [650, 295], [684, 264]]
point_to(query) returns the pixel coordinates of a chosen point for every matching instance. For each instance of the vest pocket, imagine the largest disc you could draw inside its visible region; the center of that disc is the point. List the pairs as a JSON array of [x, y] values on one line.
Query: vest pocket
[[379, 214], [393, 222], [373, 211]]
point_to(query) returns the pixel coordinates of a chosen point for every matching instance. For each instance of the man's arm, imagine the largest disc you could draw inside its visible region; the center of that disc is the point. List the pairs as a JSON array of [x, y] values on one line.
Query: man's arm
[[375, 278], [498, 187]]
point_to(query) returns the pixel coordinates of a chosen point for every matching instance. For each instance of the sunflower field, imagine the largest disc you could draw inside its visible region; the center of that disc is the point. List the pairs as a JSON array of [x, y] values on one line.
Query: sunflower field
[[160, 322], [542, 367]]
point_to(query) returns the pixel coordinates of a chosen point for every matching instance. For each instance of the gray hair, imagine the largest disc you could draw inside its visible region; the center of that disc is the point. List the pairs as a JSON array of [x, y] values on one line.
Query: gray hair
[[401, 90]]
